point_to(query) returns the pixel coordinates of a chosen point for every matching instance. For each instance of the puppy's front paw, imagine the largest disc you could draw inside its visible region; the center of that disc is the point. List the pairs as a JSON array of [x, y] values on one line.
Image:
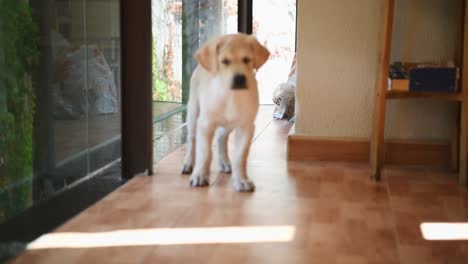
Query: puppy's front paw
[[197, 180], [225, 167], [244, 185], [187, 169]]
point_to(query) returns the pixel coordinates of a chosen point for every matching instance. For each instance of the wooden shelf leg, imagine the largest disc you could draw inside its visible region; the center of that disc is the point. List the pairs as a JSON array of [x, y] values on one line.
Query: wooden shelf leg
[[378, 134], [463, 159], [463, 172], [378, 129], [455, 140]]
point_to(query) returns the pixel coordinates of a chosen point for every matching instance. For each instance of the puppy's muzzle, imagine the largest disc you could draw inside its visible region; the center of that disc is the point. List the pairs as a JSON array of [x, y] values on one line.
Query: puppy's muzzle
[[239, 82]]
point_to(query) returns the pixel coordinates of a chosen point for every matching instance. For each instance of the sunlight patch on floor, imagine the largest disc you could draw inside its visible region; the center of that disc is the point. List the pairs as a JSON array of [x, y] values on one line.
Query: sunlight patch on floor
[[166, 236], [445, 231]]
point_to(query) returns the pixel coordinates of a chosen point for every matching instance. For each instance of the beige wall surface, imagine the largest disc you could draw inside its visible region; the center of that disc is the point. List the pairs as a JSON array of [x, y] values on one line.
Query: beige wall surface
[[337, 58]]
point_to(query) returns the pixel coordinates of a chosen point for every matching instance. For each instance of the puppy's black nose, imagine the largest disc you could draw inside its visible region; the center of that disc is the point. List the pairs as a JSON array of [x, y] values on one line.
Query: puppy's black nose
[[239, 82]]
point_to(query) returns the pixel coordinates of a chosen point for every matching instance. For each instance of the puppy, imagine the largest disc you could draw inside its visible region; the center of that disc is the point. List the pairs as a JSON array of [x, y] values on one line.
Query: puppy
[[223, 98]]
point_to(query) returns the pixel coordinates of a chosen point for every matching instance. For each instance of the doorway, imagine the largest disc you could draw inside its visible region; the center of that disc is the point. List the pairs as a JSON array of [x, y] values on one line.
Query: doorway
[[180, 27], [274, 25]]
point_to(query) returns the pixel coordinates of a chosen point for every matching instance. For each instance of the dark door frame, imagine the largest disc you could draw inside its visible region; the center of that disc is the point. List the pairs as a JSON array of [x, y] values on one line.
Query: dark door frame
[[137, 127], [245, 16]]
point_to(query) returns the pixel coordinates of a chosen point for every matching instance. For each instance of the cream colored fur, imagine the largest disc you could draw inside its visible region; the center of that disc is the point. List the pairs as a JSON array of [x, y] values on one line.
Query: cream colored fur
[[215, 108]]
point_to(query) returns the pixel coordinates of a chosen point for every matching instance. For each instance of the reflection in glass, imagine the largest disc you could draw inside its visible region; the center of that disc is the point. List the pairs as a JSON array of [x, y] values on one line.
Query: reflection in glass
[[103, 78], [75, 122], [18, 58]]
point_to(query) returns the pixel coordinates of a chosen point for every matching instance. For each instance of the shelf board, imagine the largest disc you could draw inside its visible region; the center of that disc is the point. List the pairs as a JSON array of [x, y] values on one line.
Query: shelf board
[[424, 95]]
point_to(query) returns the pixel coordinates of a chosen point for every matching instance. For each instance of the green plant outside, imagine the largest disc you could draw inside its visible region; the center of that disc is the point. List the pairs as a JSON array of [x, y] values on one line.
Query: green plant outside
[[160, 85], [185, 59], [18, 57]]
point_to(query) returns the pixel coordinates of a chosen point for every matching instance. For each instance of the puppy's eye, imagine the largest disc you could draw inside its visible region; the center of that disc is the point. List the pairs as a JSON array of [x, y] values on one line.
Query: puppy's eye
[[246, 60], [226, 62]]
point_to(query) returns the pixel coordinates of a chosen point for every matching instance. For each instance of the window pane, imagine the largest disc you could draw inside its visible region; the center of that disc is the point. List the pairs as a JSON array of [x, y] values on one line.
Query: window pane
[[103, 81], [204, 19], [179, 27], [167, 50], [59, 96]]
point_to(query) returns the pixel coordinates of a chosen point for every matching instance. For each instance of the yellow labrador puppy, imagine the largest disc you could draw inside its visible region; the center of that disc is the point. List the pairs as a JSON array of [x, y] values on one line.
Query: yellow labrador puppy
[[223, 98]]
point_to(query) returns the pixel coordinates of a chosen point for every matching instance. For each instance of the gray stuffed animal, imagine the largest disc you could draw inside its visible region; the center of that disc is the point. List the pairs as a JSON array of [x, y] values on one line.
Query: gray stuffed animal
[[284, 99], [284, 96]]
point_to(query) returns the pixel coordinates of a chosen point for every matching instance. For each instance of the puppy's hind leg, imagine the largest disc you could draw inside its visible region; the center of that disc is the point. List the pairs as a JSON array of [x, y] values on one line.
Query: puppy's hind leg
[[222, 136], [243, 138], [192, 116]]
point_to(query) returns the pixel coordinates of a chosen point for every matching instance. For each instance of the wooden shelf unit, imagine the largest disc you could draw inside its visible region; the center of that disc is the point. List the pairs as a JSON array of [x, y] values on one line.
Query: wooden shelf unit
[[459, 141]]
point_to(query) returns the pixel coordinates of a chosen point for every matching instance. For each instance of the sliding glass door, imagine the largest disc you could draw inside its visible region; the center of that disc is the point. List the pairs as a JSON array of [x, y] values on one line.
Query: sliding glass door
[[59, 96]]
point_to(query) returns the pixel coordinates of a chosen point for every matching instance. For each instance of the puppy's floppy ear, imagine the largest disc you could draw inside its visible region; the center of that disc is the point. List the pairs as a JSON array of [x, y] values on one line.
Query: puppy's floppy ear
[[261, 53], [207, 55]]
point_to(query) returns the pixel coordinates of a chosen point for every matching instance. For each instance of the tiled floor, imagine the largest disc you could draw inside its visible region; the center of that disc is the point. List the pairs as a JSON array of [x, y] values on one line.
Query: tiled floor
[[337, 214]]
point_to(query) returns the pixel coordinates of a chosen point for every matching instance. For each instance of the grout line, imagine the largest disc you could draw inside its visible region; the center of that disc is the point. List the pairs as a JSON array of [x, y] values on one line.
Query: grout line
[[261, 132], [393, 219]]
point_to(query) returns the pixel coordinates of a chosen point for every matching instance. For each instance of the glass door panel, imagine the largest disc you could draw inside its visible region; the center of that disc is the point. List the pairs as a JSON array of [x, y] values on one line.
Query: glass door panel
[[103, 81], [59, 96], [179, 28]]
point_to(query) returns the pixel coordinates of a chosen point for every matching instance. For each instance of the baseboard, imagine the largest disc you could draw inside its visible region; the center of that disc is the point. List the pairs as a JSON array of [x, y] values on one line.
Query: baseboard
[[397, 152]]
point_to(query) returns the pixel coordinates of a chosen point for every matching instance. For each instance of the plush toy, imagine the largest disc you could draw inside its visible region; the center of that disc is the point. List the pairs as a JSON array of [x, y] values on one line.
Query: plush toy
[[284, 96]]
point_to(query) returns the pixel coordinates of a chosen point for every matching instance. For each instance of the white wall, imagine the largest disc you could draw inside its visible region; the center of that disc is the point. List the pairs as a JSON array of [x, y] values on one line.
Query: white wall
[[337, 58]]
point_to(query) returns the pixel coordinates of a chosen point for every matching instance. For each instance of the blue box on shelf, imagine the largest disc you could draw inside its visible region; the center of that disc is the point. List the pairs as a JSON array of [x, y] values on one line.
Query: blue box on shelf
[[433, 79]]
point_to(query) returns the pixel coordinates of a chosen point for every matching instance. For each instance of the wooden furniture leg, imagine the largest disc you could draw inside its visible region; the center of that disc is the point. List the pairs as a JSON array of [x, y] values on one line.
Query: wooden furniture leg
[[463, 159], [463, 164], [458, 58], [455, 140], [377, 140]]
